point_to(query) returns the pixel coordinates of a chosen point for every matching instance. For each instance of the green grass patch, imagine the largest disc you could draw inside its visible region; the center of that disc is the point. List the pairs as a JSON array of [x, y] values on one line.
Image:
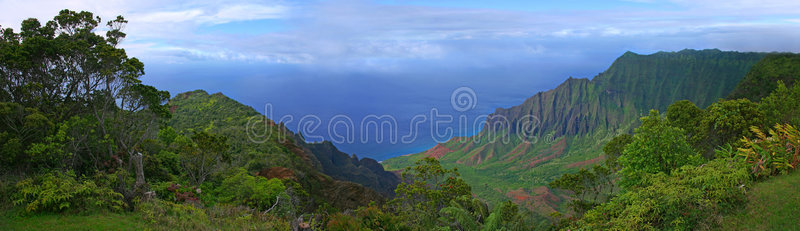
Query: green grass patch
[[98, 221], [772, 205]]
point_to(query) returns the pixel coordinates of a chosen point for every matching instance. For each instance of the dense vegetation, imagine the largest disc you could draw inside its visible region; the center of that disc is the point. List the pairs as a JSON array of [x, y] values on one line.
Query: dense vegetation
[[574, 120], [665, 184], [82, 141], [763, 78]]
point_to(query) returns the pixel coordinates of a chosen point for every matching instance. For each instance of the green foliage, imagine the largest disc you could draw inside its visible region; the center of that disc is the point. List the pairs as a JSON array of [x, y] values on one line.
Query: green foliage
[[782, 105], [614, 149], [374, 218], [163, 165], [505, 216], [656, 147], [203, 155], [58, 192], [464, 213], [687, 116], [173, 215], [21, 128], [431, 188], [50, 152], [342, 222], [167, 135], [164, 215], [688, 198], [253, 191], [775, 154], [591, 187], [762, 78], [726, 121]]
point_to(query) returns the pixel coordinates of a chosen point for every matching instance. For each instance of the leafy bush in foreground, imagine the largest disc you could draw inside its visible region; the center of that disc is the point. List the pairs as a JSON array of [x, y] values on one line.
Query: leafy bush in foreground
[[688, 198], [656, 147], [252, 191], [58, 192]]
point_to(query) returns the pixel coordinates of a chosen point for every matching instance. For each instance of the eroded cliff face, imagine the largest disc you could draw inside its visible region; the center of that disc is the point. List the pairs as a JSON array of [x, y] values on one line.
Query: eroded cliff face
[[632, 86]]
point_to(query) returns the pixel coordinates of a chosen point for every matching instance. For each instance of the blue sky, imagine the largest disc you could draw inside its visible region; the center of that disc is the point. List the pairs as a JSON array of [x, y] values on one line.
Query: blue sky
[[404, 57]]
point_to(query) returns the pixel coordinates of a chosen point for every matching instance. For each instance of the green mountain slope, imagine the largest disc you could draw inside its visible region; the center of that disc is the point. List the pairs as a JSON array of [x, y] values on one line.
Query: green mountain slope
[[283, 154], [763, 78], [524, 147]]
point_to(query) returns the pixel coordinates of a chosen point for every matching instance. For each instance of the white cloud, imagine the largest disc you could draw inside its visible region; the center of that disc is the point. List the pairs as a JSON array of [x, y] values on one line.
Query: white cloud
[[247, 12], [226, 14], [353, 32], [168, 16]]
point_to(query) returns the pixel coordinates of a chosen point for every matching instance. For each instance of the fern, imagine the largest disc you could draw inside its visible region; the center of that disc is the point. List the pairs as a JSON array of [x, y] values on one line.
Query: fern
[[776, 153], [58, 192]]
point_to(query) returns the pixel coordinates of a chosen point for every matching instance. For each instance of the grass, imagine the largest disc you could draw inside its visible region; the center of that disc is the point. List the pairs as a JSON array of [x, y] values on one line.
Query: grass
[[97, 221], [772, 205]]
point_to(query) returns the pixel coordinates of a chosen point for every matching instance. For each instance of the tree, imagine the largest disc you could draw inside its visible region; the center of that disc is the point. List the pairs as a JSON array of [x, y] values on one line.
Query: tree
[[426, 189], [81, 79], [782, 106], [591, 187], [203, 154], [656, 147], [464, 213], [727, 121], [613, 150], [19, 128], [141, 108], [687, 116]]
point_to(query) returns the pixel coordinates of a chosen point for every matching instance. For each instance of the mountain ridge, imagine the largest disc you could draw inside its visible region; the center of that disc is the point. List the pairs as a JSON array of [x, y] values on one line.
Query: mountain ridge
[[283, 155]]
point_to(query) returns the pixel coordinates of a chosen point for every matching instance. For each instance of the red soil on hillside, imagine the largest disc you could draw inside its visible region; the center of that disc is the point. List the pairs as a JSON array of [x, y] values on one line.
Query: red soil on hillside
[[437, 151], [555, 151], [277, 172], [587, 162]]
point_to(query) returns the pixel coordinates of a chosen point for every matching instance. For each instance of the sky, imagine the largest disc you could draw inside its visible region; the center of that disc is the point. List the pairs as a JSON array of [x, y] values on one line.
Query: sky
[[358, 59]]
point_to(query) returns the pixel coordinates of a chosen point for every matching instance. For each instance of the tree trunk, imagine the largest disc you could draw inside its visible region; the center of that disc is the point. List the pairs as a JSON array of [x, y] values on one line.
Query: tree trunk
[[139, 169]]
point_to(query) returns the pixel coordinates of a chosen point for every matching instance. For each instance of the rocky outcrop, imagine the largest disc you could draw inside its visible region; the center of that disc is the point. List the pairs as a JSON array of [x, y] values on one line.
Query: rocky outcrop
[[341, 166]]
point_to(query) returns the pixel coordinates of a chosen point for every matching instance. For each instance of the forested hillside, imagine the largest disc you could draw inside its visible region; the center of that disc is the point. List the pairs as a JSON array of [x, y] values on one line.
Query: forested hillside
[[523, 148], [199, 111], [763, 78]]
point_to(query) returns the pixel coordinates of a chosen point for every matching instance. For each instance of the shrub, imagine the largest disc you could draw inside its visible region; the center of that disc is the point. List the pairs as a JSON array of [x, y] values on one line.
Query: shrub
[[723, 181], [58, 192], [342, 222], [727, 121], [166, 215], [505, 216], [465, 213], [782, 105], [656, 147], [769, 155], [427, 188], [252, 191], [686, 199], [372, 217]]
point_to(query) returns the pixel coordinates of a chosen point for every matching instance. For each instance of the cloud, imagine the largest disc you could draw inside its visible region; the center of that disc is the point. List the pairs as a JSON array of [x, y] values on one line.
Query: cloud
[[244, 12], [359, 34]]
